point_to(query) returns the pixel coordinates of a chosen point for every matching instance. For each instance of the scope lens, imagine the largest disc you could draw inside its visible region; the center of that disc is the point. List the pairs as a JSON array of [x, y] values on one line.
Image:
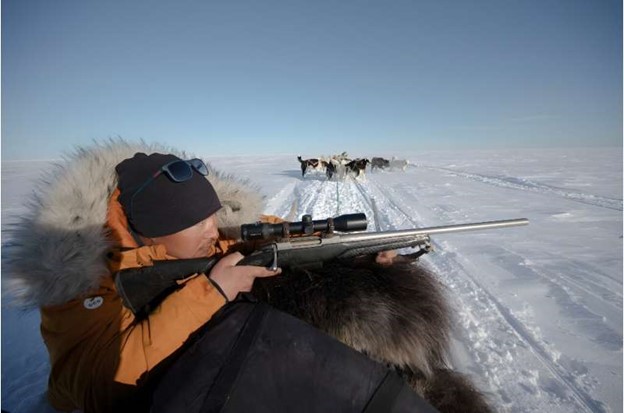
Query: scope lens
[[351, 222]]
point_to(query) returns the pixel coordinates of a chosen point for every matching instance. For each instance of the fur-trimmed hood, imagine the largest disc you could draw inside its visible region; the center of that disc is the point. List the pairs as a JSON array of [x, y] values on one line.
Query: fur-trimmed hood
[[59, 246]]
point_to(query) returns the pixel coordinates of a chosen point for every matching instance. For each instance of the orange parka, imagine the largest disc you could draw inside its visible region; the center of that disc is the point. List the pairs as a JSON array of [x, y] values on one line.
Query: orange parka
[[99, 352]]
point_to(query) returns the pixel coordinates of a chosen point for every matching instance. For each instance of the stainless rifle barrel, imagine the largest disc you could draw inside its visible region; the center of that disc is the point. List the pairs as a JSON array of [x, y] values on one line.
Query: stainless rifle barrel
[[473, 226], [422, 232]]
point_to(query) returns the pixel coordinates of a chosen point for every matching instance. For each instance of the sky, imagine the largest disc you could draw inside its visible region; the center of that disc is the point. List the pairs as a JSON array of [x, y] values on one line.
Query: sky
[[310, 77]]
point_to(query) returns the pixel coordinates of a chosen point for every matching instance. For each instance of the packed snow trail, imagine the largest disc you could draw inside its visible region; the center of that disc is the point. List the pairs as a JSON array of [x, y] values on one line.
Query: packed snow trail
[[514, 362]]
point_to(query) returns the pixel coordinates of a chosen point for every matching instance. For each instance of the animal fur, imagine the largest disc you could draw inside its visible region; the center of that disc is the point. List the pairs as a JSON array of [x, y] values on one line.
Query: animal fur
[[398, 164], [396, 315], [357, 166], [379, 163], [448, 391]]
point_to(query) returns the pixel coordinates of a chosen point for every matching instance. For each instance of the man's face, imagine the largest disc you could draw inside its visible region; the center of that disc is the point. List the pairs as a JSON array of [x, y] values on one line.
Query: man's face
[[192, 242]]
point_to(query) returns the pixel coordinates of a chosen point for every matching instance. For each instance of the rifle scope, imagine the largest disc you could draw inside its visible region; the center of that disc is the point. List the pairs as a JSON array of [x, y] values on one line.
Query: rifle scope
[[342, 223]]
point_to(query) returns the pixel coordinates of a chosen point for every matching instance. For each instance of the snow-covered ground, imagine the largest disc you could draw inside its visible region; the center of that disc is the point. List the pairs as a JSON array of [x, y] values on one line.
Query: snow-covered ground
[[538, 308]]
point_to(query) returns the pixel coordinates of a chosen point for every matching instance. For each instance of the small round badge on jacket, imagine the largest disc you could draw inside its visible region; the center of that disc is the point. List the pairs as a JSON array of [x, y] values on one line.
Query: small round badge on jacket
[[93, 302]]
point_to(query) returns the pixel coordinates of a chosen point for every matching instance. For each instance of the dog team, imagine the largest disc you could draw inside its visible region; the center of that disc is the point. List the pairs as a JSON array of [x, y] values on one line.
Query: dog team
[[340, 166]]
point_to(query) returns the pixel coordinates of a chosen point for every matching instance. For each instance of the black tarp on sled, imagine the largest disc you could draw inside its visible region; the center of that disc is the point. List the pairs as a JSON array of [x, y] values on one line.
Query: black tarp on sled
[[253, 358]]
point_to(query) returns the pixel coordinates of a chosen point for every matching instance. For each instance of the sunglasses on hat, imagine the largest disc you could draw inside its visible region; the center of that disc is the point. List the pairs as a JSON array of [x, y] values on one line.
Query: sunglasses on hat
[[180, 171], [177, 171]]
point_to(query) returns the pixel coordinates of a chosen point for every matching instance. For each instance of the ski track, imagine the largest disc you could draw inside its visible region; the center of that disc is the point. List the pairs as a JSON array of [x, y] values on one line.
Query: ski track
[[528, 185], [579, 277], [517, 364]]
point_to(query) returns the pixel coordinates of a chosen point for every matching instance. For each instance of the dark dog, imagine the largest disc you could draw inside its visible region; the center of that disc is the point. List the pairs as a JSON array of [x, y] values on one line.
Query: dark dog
[[379, 163], [330, 169], [357, 166], [307, 163], [397, 315]]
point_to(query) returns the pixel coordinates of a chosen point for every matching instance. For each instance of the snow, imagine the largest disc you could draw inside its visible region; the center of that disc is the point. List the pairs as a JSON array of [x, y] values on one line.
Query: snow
[[538, 309]]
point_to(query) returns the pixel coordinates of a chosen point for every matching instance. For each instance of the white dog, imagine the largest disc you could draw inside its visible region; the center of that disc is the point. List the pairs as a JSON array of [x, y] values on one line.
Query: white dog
[[398, 163]]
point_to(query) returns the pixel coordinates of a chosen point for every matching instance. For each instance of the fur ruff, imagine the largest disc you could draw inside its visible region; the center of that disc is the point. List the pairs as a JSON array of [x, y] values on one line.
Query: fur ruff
[[58, 248]]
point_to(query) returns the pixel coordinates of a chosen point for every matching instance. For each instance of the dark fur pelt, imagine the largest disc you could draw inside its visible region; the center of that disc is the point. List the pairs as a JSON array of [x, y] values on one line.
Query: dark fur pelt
[[396, 314], [448, 391]]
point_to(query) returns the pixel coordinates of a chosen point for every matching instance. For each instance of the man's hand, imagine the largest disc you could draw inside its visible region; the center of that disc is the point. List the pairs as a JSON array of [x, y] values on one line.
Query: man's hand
[[234, 279], [386, 257]]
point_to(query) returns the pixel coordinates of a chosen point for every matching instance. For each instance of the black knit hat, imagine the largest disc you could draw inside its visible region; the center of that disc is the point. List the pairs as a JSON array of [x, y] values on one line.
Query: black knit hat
[[162, 207]]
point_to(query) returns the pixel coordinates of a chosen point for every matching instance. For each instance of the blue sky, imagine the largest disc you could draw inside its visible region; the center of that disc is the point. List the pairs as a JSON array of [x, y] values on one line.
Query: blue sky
[[310, 77]]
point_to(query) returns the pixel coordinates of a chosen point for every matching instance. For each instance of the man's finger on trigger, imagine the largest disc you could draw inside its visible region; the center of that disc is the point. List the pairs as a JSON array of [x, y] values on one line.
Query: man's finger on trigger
[[269, 272]]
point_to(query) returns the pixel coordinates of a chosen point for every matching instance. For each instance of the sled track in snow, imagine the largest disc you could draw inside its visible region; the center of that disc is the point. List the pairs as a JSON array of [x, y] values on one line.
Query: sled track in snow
[[371, 202], [583, 400], [308, 198], [391, 208], [302, 198], [608, 292], [528, 185], [323, 198]]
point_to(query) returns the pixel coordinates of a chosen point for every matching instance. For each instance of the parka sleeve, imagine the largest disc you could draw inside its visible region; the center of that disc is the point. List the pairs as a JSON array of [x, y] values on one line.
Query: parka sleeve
[[167, 328]]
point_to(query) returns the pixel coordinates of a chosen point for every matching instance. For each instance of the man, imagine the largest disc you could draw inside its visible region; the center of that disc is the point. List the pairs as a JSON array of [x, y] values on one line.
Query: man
[[102, 356], [96, 214]]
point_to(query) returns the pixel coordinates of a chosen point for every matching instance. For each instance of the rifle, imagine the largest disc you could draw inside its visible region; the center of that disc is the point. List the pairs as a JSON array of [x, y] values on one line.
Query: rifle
[[292, 244]]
